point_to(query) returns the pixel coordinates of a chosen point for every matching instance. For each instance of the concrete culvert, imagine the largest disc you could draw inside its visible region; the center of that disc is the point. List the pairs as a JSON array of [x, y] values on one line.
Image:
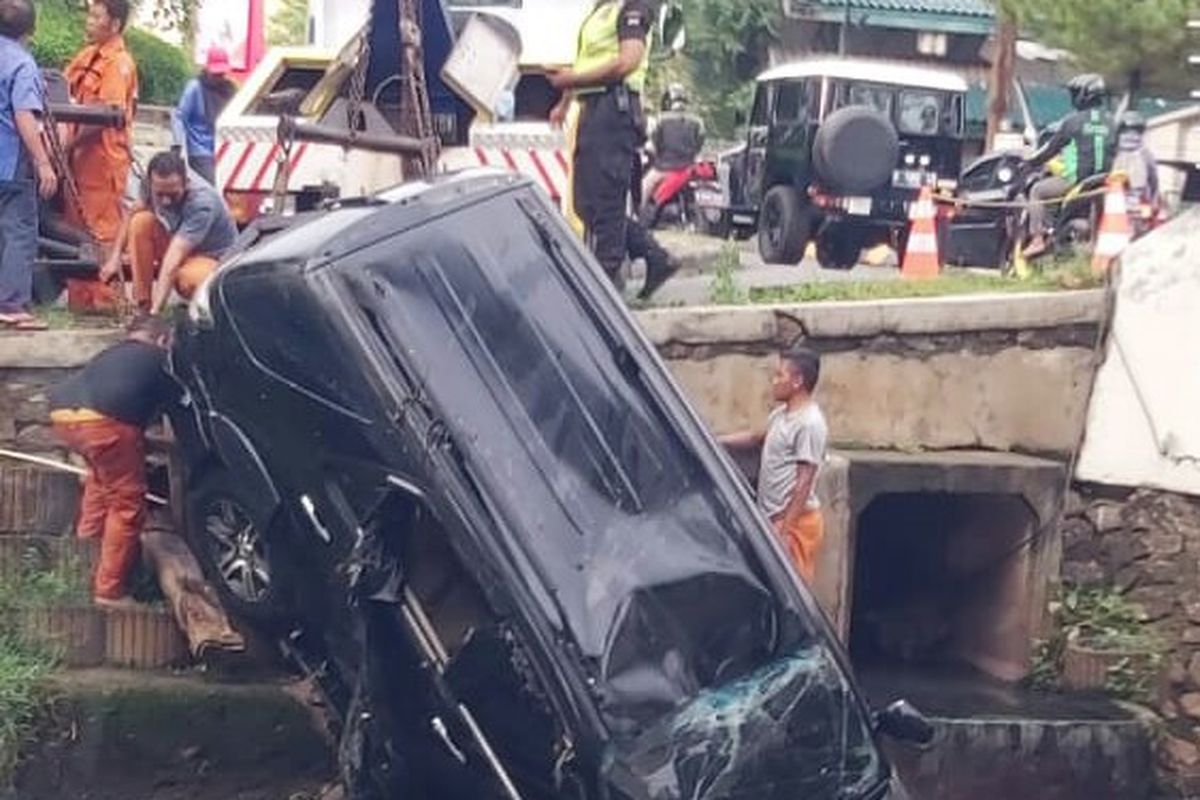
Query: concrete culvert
[[856, 150]]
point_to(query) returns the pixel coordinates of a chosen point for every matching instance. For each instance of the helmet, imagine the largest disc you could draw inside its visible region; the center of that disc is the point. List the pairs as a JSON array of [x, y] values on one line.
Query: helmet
[[1132, 121], [1087, 91], [674, 98]]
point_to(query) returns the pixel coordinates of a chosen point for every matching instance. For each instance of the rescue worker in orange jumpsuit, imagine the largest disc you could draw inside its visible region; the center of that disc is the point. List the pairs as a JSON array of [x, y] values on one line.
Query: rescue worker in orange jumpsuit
[[101, 413], [103, 73]]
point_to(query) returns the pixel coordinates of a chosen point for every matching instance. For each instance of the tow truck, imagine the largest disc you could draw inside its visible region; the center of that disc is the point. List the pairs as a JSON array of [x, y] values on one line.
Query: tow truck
[[339, 108]]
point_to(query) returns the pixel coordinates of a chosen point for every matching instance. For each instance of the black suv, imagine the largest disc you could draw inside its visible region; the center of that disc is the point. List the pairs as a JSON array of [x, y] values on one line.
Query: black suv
[[429, 449], [837, 150]]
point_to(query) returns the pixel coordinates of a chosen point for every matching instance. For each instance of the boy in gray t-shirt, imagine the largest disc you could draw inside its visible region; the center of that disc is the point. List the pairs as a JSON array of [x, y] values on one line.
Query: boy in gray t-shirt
[[793, 445]]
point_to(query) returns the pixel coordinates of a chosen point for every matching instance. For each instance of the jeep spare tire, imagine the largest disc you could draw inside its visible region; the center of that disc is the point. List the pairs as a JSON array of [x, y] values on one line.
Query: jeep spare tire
[[856, 150]]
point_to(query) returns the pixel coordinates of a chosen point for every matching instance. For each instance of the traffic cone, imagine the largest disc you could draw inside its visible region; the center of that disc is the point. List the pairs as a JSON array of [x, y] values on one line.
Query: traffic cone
[[1115, 231], [921, 256]]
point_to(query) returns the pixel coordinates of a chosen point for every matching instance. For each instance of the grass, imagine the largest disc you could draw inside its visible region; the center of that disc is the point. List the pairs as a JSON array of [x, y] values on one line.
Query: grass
[[955, 282], [724, 288], [60, 319], [25, 664]]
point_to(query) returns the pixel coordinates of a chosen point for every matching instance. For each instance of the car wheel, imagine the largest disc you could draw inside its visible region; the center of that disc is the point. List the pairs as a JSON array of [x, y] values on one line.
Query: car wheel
[[784, 226], [238, 553], [838, 251]]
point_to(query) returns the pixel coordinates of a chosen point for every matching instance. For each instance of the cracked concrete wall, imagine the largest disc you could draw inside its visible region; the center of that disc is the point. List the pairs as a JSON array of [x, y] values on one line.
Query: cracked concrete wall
[[1009, 373]]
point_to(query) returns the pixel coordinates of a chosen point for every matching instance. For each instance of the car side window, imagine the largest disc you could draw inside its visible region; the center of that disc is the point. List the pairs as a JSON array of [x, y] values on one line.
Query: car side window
[[790, 102], [289, 335], [758, 115]]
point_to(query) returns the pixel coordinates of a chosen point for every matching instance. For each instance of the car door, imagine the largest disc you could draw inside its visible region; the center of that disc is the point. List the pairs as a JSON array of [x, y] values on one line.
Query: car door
[[756, 144], [311, 416], [789, 140]]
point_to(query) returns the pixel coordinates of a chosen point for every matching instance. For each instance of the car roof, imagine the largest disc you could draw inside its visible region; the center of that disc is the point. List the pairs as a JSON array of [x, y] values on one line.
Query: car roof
[[857, 69]]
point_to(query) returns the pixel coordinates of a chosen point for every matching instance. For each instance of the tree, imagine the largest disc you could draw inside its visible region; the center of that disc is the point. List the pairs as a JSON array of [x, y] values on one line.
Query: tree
[[1135, 42], [728, 44], [289, 24]]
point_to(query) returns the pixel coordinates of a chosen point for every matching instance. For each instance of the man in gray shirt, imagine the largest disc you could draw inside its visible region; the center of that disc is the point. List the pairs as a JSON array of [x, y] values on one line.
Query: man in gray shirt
[[175, 236], [793, 445]]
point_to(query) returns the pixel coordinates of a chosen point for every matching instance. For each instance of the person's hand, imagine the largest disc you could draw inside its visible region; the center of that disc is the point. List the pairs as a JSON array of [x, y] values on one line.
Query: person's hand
[[561, 78], [47, 180], [558, 114], [111, 268]]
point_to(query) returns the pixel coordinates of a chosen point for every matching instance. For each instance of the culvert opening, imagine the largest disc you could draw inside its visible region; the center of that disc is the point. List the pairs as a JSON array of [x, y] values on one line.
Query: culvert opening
[[941, 581]]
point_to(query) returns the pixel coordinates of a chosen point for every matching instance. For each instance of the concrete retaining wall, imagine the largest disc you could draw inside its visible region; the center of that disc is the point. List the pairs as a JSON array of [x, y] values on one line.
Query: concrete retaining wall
[[987, 372]]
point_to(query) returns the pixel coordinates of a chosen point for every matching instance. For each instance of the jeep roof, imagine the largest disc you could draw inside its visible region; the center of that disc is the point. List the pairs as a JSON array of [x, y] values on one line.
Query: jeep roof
[[855, 69]]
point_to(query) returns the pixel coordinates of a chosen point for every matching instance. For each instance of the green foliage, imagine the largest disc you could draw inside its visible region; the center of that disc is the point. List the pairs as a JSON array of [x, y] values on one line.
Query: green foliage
[[1115, 37], [727, 46], [23, 672], [163, 69], [724, 289], [289, 24], [1102, 620], [949, 283], [25, 664]]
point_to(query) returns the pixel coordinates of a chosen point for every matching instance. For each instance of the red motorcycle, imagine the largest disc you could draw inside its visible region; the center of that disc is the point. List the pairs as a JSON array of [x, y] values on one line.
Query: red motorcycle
[[674, 200]]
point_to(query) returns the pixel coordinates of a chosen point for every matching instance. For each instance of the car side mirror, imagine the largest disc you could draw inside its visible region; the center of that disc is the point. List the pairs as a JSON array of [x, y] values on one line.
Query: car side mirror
[[904, 723]]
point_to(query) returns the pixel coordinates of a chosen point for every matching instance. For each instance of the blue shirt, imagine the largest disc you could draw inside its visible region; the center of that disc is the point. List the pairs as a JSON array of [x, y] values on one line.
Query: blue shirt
[[20, 90], [191, 123]]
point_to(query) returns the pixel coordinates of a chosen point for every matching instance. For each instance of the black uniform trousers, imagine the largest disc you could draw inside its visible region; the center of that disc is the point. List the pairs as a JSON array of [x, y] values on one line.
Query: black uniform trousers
[[606, 152]]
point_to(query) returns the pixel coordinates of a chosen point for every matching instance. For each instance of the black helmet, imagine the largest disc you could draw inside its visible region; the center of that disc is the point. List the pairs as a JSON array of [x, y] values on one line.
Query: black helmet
[[1087, 91], [1132, 121], [674, 98]]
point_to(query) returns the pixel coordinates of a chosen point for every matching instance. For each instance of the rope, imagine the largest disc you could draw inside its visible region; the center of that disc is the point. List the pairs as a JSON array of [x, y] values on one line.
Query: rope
[[1019, 204]]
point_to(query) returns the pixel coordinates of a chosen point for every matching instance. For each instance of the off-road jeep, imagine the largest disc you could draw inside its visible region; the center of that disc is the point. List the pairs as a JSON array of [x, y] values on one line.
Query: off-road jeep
[[836, 151]]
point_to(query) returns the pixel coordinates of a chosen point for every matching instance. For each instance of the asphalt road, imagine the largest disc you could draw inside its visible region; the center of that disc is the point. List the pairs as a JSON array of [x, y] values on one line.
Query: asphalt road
[[693, 284]]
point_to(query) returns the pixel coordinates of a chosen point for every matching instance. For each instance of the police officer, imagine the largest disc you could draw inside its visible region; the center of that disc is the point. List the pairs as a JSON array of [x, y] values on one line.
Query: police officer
[[1083, 141], [607, 79]]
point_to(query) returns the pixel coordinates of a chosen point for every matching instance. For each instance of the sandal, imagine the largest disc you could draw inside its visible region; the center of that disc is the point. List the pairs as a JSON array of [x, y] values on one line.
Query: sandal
[[22, 322]]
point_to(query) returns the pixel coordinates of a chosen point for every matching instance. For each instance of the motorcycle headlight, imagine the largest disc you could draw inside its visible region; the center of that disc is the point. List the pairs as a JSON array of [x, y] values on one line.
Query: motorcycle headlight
[[200, 309], [1005, 174], [910, 159], [925, 160]]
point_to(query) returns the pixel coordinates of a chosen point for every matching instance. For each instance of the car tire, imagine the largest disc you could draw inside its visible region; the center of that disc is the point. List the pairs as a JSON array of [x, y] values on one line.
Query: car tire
[[238, 553], [838, 251], [856, 150], [785, 226]]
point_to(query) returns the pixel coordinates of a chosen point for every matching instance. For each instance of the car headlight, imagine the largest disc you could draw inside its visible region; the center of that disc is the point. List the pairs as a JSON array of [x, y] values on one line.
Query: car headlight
[[925, 160], [910, 159], [1005, 174], [200, 309]]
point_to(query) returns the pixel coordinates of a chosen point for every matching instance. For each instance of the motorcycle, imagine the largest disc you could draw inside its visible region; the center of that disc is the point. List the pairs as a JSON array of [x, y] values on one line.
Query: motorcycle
[[674, 200], [991, 219]]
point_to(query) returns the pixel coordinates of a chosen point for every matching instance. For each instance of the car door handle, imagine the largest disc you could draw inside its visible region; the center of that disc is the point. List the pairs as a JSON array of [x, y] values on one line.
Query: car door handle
[[443, 733], [310, 510]]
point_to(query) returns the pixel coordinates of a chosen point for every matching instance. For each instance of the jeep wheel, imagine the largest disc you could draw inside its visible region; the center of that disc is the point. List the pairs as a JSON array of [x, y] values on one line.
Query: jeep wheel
[[784, 226], [235, 551], [838, 250]]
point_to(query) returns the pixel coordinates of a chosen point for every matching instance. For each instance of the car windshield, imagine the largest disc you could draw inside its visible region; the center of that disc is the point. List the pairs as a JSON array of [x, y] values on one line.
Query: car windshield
[[916, 112], [623, 532]]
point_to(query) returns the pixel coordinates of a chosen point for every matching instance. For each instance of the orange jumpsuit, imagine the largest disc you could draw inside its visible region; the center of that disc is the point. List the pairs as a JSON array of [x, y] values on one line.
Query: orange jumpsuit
[[114, 505], [802, 539], [103, 74]]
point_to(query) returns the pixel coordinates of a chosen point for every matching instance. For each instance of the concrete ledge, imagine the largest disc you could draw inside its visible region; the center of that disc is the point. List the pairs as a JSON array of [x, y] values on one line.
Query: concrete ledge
[[935, 315], [54, 349]]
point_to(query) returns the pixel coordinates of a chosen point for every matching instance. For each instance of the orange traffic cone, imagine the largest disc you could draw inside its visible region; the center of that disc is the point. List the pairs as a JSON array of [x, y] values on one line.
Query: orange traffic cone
[[921, 256], [1115, 233]]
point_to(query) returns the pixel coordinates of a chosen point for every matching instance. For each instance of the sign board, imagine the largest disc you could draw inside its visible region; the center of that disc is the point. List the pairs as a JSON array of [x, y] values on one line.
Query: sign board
[[483, 64]]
